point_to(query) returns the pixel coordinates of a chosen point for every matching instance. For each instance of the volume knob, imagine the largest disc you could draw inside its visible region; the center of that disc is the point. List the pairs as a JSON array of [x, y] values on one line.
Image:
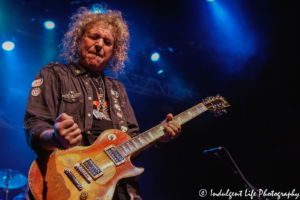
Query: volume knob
[[83, 195]]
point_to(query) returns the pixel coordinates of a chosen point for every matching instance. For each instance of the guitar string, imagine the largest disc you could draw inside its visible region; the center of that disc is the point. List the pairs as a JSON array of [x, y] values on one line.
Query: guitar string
[[195, 109], [103, 158]]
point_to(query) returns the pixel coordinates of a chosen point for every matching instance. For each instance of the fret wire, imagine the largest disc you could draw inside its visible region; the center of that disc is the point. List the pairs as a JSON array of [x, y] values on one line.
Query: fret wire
[[126, 150], [145, 137], [140, 139], [136, 144], [128, 147], [121, 149], [151, 136], [132, 143], [159, 132], [154, 133], [141, 144]]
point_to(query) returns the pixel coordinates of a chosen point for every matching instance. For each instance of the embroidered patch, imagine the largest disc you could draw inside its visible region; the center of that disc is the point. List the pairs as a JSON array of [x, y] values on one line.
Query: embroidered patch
[[124, 129], [71, 95], [115, 94], [117, 107], [119, 115], [35, 92], [37, 83]]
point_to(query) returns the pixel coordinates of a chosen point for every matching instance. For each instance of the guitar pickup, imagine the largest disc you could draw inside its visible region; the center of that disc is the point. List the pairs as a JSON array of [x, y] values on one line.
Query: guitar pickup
[[92, 168], [114, 155], [83, 173]]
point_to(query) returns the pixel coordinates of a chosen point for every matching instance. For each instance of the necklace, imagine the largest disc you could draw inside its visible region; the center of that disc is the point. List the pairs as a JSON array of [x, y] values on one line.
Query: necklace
[[101, 91], [102, 110]]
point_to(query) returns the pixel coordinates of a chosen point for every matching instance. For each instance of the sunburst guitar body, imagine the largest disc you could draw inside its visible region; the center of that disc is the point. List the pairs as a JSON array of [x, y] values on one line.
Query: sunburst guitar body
[[49, 178]]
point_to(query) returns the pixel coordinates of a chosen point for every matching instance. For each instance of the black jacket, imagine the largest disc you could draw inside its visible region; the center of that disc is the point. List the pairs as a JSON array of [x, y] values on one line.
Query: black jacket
[[60, 88]]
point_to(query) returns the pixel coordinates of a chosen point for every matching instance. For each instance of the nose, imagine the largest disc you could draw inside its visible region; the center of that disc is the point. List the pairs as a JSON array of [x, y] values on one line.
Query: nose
[[99, 44]]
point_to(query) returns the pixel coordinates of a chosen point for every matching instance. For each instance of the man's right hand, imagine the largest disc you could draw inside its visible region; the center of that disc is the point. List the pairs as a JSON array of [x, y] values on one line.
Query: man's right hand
[[66, 131]]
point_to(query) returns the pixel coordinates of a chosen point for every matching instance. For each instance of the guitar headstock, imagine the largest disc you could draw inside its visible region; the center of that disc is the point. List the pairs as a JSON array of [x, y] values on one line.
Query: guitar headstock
[[216, 104]]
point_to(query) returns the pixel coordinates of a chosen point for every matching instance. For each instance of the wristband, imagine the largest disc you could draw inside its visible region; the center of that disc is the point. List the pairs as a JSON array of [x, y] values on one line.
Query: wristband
[[56, 142]]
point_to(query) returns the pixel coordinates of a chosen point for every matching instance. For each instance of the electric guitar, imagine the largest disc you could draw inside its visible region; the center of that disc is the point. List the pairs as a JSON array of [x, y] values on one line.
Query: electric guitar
[[92, 172]]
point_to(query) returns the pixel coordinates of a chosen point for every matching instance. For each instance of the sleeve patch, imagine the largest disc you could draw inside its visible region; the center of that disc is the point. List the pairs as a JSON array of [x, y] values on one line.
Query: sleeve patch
[[37, 83], [35, 92]]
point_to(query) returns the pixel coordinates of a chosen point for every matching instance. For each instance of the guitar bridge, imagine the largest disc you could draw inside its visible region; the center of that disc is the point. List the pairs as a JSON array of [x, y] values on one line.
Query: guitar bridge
[[114, 155], [73, 179], [92, 168]]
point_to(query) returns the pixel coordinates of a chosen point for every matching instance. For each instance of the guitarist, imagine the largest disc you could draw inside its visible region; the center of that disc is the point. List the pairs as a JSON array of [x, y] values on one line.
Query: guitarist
[[72, 104]]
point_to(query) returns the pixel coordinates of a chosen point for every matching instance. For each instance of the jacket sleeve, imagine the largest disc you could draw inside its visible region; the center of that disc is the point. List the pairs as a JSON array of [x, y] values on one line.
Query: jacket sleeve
[[42, 107], [133, 127]]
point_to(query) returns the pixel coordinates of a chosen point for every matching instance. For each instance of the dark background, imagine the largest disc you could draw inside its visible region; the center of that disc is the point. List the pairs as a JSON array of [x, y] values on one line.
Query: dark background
[[247, 51]]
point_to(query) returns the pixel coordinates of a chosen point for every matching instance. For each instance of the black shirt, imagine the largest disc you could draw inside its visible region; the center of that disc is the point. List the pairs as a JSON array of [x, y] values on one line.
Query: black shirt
[[102, 123]]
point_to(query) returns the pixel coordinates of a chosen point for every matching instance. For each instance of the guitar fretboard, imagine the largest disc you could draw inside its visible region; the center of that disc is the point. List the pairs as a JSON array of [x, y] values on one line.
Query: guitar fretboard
[[156, 132]]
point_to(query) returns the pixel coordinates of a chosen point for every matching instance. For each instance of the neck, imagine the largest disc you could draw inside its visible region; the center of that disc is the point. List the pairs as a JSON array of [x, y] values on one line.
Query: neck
[[143, 139], [93, 72]]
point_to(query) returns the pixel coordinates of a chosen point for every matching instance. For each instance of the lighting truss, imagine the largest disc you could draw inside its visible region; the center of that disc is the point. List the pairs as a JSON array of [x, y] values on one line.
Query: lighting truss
[[152, 87]]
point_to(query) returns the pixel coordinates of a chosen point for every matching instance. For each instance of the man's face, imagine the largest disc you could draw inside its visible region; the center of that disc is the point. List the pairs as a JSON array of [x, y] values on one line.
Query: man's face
[[97, 44]]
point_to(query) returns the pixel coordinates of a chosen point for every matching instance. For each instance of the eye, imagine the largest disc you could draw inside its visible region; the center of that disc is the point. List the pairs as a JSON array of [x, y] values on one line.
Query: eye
[[92, 37], [108, 42]]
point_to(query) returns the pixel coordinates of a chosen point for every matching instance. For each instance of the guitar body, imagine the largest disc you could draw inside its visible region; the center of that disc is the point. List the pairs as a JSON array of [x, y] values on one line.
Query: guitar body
[[48, 180], [58, 176]]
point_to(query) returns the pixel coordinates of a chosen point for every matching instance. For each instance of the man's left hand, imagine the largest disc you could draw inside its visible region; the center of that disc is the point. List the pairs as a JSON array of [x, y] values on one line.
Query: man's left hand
[[171, 129]]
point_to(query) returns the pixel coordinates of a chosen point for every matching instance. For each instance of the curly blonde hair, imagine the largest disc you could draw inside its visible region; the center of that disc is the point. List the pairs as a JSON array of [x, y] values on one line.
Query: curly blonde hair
[[83, 20]]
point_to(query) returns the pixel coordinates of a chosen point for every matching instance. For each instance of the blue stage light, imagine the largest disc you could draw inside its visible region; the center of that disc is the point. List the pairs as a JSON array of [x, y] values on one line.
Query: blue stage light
[[155, 57], [160, 71], [99, 10], [210, 0], [8, 46], [49, 25]]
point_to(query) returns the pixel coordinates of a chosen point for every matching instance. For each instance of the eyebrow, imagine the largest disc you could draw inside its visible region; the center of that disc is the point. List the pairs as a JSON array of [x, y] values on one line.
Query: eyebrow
[[97, 33]]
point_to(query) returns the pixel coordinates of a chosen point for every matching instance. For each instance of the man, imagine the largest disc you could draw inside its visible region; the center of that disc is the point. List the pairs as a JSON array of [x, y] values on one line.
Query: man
[[73, 104]]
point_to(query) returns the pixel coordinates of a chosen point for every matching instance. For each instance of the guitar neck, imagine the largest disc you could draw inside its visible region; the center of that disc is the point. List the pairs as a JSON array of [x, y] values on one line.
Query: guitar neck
[[144, 139]]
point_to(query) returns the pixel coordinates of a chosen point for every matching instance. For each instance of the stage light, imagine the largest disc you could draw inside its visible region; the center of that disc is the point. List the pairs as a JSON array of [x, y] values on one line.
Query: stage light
[[170, 49], [155, 57], [49, 25], [210, 0], [160, 71], [99, 8], [8, 46], [97, 11]]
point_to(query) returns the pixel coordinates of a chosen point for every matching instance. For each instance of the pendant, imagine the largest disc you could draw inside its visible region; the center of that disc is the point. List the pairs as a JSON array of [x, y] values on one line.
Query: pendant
[[101, 92], [100, 115]]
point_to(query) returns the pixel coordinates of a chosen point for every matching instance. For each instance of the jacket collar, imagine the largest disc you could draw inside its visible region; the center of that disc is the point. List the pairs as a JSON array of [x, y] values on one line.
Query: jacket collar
[[77, 69]]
